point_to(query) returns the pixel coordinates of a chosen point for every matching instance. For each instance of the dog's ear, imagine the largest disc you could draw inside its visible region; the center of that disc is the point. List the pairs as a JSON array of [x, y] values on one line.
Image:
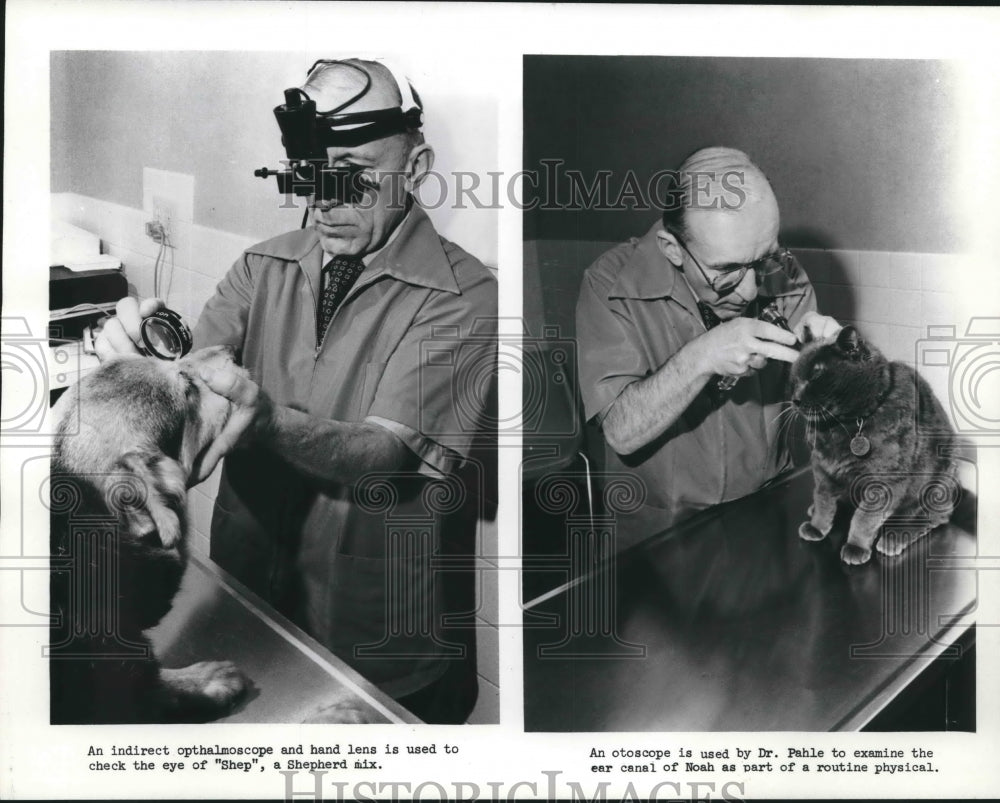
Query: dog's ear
[[149, 488]]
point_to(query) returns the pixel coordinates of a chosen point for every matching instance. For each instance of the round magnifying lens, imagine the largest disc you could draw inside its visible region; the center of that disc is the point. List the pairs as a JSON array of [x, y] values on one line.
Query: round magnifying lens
[[165, 335]]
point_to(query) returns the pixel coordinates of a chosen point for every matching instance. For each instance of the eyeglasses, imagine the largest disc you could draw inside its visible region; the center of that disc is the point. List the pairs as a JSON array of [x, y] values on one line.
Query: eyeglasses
[[728, 279]]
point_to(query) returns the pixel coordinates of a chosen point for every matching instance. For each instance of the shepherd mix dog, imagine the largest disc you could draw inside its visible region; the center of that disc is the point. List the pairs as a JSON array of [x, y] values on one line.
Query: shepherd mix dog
[[130, 436]]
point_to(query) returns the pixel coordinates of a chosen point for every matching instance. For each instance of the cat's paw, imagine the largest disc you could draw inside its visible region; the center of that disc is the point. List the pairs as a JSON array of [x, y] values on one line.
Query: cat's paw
[[808, 532], [854, 555], [894, 543]]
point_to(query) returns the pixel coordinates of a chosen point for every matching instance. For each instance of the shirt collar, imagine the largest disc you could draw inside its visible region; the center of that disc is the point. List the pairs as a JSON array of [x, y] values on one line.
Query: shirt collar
[[369, 258], [648, 275], [412, 254]]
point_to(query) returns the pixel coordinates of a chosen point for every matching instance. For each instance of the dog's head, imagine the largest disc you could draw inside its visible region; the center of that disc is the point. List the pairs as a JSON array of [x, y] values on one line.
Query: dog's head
[[145, 422]]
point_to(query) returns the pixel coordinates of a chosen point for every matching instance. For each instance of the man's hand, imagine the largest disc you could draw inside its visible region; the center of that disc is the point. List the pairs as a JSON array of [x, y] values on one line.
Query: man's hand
[[120, 334], [250, 419], [743, 345], [820, 327]]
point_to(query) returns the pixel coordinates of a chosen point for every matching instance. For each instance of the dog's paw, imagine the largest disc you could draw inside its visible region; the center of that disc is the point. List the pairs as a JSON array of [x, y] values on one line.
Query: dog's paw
[[224, 683], [218, 682], [348, 712], [808, 532], [854, 555]]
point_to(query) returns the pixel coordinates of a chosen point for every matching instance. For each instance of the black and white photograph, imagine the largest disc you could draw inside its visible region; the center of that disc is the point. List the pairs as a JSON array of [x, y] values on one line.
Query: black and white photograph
[[499, 401], [735, 506], [276, 388]]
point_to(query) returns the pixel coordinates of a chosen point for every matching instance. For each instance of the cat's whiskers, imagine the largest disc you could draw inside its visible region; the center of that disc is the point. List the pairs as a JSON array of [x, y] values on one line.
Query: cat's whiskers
[[785, 419], [810, 434], [827, 414]]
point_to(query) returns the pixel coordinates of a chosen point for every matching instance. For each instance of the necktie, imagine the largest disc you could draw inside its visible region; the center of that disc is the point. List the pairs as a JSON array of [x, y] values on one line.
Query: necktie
[[708, 316], [339, 275], [718, 386]]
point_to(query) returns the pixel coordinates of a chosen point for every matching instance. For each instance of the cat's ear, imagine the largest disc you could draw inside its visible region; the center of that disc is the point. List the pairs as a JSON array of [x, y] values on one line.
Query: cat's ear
[[807, 335], [849, 341]]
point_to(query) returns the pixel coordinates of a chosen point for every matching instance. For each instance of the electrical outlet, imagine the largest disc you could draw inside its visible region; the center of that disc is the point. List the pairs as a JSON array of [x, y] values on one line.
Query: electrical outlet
[[164, 215], [156, 231], [168, 202]]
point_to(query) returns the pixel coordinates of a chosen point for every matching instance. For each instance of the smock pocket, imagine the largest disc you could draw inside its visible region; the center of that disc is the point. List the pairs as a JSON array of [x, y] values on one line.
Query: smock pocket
[[381, 615], [369, 386]]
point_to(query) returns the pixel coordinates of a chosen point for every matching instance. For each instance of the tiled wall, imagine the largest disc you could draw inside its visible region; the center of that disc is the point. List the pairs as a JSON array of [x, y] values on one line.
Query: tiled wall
[[892, 297], [201, 257]]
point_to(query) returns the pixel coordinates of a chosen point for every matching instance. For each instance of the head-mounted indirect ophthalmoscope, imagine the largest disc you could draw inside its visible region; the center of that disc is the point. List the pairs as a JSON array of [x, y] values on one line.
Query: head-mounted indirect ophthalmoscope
[[307, 133]]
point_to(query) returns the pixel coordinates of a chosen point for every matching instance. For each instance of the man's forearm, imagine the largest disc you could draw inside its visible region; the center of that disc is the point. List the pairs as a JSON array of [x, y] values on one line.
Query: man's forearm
[[333, 451], [648, 407]]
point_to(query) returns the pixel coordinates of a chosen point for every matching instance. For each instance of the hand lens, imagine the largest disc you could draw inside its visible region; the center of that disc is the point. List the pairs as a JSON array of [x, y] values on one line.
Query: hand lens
[[165, 335]]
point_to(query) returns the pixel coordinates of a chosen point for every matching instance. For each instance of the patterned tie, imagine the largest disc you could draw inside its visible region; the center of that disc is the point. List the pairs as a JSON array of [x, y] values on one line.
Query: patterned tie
[[708, 316], [339, 275], [718, 387]]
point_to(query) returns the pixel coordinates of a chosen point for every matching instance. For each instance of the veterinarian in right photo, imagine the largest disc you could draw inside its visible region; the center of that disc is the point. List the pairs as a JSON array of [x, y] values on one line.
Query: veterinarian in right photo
[[732, 514]]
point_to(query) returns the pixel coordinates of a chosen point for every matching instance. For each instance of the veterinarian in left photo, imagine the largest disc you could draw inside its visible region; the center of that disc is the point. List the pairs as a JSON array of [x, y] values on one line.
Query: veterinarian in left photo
[[274, 480]]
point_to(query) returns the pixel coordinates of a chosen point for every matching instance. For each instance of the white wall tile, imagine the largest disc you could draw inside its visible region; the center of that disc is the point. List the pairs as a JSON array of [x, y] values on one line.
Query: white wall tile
[[816, 262], [487, 591], [843, 265], [202, 288], [882, 305], [896, 342], [488, 651], [200, 510], [941, 272], [911, 267], [882, 269], [180, 243], [214, 252], [487, 710], [200, 544], [938, 309], [138, 270], [835, 300], [176, 286]]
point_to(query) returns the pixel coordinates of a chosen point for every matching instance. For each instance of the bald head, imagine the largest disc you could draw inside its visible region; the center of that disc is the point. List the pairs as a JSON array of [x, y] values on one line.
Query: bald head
[[333, 85], [722, 214], [718, 180], [358, 85]]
